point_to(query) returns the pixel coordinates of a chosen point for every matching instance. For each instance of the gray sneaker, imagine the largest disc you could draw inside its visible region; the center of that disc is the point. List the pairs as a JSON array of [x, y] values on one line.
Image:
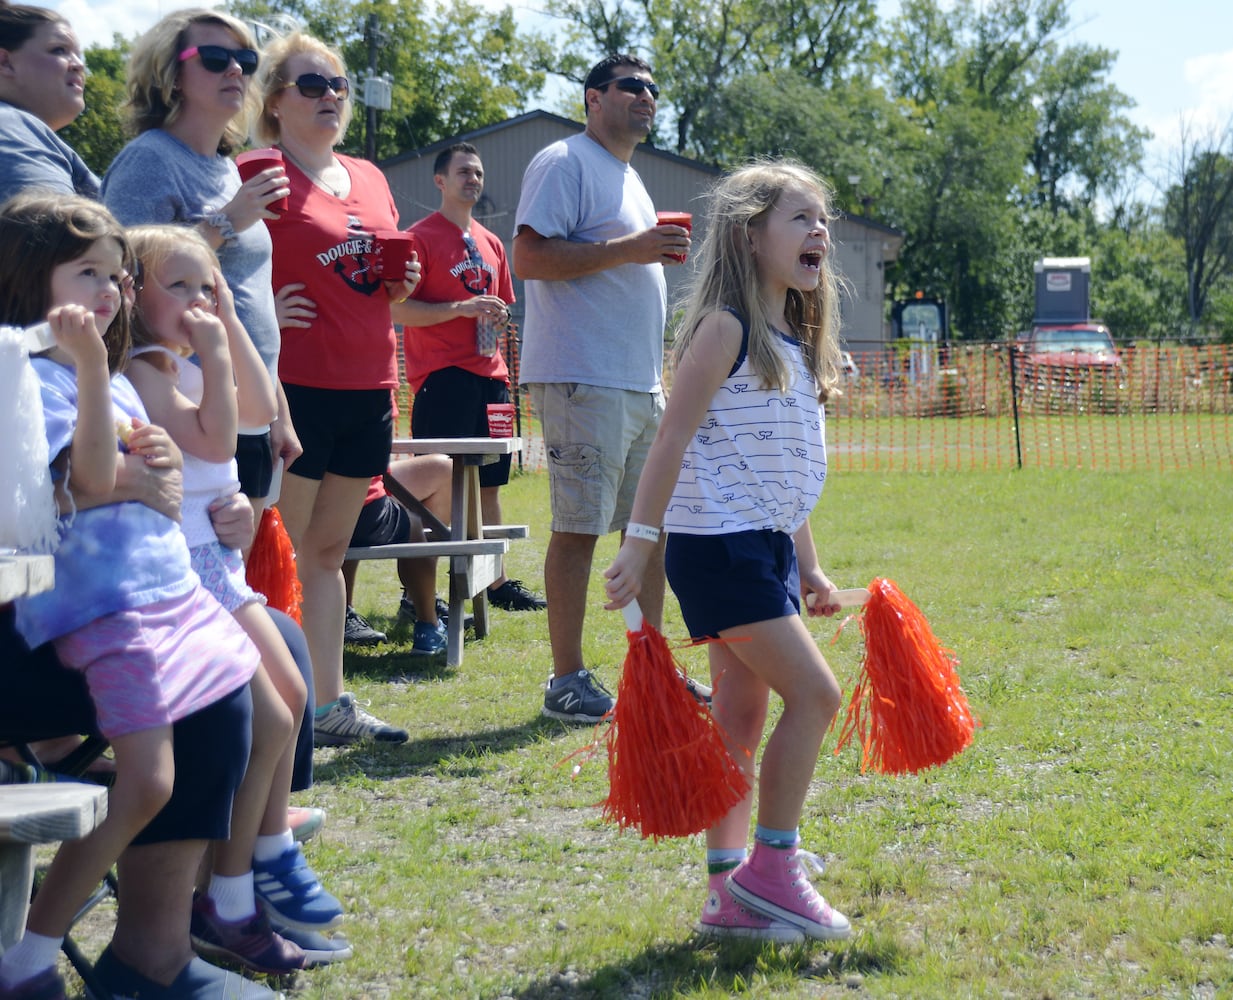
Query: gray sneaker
[[346, 723], [577, 697]]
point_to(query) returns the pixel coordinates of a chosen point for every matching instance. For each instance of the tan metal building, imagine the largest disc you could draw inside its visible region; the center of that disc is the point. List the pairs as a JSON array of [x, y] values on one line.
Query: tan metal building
[[674, 182]]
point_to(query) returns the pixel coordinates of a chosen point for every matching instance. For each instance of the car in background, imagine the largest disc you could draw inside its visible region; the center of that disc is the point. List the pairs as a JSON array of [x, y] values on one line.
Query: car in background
[[1076, 361]]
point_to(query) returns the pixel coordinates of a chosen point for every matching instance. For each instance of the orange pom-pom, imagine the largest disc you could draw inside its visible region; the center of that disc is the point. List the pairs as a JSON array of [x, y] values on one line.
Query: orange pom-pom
[[907, 707], [669, 772], [271, 565]]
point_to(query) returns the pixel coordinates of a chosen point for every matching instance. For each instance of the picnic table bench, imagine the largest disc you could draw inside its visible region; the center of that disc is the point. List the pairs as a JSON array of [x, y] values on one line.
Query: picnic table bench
[[473, 548]]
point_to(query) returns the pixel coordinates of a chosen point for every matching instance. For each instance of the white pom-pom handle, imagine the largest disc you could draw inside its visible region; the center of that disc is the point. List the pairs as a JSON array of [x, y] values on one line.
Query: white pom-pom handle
[[854, 598], [633, 616]]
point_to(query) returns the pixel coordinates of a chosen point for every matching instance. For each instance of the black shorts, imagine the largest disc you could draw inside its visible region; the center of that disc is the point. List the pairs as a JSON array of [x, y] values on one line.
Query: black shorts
[[722, 581], [347, 432], [254, 456], [43, 698], [383, 522], [453, 403]]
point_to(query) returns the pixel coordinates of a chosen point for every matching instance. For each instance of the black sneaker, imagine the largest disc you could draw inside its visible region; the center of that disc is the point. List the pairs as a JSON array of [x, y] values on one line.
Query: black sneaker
[[357, 632], [513, 596]]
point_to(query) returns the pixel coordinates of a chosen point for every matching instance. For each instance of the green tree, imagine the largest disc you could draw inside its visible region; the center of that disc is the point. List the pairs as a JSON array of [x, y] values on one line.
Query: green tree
[[454, 68], [1198, 211], [1084, 144], [98, 133], [699, 49]]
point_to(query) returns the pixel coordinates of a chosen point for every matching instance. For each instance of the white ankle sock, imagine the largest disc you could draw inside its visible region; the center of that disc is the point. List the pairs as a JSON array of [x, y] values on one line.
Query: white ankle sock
[[233, 896], [274, 845], [28, 957]]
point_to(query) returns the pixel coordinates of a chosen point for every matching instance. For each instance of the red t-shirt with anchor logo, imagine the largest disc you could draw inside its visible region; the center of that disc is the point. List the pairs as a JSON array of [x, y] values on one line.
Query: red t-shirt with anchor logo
[[325, 243]]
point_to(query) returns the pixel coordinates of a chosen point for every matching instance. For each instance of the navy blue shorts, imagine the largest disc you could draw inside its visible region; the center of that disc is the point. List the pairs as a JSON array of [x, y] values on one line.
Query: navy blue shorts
[[384, 522], [722, 581], [453, 403], [211, 753], [347, 432], [254, 457]]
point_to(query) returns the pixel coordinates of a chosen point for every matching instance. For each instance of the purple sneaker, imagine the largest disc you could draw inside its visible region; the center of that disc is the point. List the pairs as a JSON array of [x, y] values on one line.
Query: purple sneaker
[[773, 882], [47, 985], [251, 943]]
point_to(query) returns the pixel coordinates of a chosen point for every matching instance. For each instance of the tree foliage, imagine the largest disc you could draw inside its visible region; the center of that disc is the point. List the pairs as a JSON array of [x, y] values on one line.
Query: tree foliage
[[1199, 213], [453, 68], [98, 133]]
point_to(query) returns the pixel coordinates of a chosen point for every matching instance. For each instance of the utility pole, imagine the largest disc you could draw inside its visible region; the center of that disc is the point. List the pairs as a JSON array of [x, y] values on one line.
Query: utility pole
[[378, 90], [372, 35]]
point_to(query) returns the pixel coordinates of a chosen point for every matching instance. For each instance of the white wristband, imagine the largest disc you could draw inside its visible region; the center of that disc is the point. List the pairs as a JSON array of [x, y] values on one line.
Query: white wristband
[[643, 531]]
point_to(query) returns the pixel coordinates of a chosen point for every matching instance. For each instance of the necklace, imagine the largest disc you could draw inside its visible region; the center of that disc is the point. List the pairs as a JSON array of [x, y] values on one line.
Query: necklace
[[318, 176]]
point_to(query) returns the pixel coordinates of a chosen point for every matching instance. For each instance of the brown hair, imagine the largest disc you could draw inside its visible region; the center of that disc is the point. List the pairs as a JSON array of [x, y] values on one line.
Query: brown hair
[[18, 23], [39, 231]]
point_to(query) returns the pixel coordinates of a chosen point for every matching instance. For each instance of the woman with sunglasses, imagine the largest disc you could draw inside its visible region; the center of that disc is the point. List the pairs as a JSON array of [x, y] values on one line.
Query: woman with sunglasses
[[190, 99], [338, 365]]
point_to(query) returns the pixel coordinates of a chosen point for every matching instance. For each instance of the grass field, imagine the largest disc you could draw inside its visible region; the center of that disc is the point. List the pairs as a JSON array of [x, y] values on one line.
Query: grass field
[[1080, 848]]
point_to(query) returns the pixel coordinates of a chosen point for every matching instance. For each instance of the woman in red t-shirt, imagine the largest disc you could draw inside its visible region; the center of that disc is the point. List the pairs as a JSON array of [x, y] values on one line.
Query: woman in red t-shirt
[[338, 362]]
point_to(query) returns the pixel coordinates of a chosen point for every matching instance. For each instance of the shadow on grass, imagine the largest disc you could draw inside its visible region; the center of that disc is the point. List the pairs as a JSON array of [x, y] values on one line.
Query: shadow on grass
[[734, 967], [456, 756]]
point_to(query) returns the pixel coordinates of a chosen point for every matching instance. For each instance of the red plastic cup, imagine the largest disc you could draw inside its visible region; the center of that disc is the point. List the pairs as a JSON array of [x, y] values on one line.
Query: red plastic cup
[[501, 420], [251, 162], [392, 248], [684, 219]]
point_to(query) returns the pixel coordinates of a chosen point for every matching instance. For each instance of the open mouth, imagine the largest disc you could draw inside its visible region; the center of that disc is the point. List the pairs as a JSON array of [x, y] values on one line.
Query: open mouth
[[812, 259]]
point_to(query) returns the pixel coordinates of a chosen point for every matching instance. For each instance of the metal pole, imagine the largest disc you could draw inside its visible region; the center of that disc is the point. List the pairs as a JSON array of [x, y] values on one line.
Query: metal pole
[[372, 36], [1014, 405]]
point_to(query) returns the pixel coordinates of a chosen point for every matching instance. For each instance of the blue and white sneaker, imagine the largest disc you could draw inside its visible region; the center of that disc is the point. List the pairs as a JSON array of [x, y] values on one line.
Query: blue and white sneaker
[[429, 640], [290, 894]]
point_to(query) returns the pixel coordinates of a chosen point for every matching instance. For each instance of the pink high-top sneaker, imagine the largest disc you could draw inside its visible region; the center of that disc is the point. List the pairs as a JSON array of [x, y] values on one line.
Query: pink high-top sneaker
[[724, 917], [773, 882]]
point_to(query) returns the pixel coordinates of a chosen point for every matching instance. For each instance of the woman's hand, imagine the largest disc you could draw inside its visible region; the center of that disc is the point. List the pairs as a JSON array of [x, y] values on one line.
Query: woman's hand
[[249, 205], [400, 291], [816, 591], [293, 310]]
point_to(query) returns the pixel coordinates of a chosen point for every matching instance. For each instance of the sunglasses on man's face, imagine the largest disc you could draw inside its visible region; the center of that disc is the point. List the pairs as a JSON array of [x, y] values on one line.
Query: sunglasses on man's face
[[314, 85], [216, 58], [632, 85]]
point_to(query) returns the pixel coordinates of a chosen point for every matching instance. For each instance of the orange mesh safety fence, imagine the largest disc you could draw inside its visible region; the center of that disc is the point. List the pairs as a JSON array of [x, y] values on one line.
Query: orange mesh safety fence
[[951, 408]]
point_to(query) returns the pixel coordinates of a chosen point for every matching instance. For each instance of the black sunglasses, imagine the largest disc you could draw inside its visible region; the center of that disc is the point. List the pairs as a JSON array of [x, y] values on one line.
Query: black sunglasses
[[134, 278], [314, 85], [632, 85], [216, 58]]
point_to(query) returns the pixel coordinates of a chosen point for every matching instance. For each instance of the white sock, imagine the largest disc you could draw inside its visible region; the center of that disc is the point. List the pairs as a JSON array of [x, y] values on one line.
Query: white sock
[[233, 896], [274, 845], [28, 957]]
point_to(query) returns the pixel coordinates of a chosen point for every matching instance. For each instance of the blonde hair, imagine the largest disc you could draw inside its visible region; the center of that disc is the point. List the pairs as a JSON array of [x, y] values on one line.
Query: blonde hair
[[274, 81], [154, 245], [154, 99], [727, 276]]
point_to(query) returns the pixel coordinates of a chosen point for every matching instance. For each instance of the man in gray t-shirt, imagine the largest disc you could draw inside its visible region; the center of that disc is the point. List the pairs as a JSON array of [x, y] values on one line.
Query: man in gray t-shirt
[[587, 246]]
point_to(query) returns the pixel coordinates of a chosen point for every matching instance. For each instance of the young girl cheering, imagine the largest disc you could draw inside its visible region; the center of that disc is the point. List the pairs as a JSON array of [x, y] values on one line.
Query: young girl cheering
[[185, 310], [127, 610], [734, 471]]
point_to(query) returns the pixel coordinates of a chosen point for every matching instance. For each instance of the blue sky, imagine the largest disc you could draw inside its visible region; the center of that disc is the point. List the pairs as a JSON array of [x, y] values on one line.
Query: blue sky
[[1175, 60]]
